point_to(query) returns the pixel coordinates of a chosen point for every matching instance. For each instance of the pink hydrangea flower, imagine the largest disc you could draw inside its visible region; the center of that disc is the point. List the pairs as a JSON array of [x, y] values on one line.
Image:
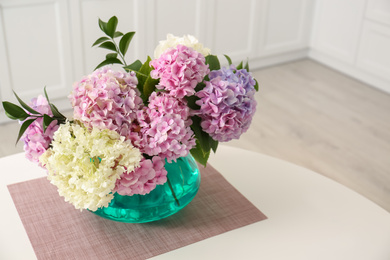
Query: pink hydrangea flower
[[166, 104], [143, 179], [179, 69], [107, 99], [36, 142], [164, 128], [227, 104]]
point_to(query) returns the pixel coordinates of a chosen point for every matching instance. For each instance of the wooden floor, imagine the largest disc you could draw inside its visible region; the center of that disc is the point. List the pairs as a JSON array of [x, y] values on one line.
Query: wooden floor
[[315, 117], [318, 118]]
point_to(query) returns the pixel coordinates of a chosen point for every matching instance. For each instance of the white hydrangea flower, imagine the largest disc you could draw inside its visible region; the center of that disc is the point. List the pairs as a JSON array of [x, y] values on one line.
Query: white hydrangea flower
[[84, 165], [187, 40]]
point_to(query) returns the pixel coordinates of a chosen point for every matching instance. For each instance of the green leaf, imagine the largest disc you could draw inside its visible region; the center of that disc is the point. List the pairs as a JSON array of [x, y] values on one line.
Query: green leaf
[[247, 66], [23, 128], [239, 66], [108, 45], [191, 102], [141, 81], [204, 142], [199, 155], [213, 62], [46, 121], [53, 108], [25, 106], [200, 85], [139, 74], [108, 61], [100, 40], [149, 86], [10, 116], [14, 112], [111, 26], [103, 26], [135, 66], [60, 117], [111, 55], [46, 95], [256, 85], [146, 68], [214, 145], [143, 74], [201, 136], [125, 42], [228, 59], [117, 34]]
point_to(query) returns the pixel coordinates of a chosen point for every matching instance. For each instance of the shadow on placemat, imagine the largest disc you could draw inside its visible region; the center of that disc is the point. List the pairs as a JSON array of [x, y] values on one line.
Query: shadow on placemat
[[58, 231]]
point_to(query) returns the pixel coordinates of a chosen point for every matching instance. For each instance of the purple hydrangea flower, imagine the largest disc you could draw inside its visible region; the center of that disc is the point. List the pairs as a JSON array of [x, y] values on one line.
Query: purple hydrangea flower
[[179, 69], [107, 99], [227, 103]]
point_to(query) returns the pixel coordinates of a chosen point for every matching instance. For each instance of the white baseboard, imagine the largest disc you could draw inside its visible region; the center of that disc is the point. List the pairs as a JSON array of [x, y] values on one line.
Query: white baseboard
[[262, 62], [351, 71]]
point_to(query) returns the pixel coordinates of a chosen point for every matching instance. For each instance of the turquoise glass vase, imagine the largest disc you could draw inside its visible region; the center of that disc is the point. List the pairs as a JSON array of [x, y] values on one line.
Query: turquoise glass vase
[[165, 200]]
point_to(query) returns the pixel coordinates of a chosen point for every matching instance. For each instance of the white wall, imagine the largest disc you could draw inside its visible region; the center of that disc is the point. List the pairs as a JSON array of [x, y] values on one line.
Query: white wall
[[48, 42], [353, 36]]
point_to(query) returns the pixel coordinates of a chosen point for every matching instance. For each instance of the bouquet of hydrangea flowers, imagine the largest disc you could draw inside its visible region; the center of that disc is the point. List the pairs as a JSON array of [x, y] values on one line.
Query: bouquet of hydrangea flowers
[[127, 123]]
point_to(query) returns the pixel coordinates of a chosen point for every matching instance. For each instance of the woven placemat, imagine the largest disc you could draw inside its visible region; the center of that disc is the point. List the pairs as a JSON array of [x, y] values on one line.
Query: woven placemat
[[57, 231]]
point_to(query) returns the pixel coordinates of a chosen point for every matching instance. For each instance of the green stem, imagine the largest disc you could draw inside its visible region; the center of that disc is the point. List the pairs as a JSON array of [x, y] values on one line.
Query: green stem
[[173, 192], [117, 51]]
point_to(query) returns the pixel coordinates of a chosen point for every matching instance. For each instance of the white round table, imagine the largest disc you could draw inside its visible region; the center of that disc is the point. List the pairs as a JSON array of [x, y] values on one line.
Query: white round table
[[309, 216]]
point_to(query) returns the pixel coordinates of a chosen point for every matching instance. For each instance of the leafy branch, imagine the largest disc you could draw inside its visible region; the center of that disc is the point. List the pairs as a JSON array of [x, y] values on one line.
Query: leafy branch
[[28, 115], [108, 42], [146, 84]]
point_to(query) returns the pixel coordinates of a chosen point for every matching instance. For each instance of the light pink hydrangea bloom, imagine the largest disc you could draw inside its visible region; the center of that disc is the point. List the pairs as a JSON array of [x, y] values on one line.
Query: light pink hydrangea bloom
[[164, 128], [166, 104], [143, 179], [107, 99], [179, 69], [36, 142]]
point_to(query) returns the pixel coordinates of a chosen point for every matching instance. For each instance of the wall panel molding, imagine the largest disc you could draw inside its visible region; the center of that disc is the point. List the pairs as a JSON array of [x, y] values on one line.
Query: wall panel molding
[[36, 41], [283, 26], [233, 35], [5, 77], [297, 23], [337, 28], [353, 36], [236, 28], [378, 11], [374, 53]]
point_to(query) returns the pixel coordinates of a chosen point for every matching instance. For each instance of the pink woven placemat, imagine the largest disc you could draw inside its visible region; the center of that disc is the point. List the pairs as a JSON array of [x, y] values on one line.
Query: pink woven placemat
[[57, 231]]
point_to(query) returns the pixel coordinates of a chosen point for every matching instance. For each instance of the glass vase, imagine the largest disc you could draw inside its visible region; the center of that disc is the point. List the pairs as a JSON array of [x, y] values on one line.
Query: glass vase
[[165, 200]]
